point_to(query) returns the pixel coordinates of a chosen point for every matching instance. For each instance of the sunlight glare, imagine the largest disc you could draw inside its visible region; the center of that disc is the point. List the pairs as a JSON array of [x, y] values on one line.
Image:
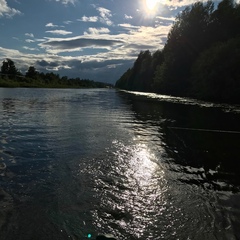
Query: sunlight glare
[[151, 4]]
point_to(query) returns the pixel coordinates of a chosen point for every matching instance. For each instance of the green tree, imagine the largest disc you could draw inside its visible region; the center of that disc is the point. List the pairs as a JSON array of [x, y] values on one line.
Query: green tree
[[123, 81], [8, 67], [32, 72], [225, 21], [186, 40], [216, 73]]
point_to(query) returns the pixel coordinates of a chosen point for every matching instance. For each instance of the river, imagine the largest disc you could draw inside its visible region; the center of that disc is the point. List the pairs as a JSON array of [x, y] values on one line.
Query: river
[[78, 162]]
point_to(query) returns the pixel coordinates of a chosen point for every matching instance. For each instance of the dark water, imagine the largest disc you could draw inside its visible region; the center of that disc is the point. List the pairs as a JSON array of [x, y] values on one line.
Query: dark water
[[139, 166]]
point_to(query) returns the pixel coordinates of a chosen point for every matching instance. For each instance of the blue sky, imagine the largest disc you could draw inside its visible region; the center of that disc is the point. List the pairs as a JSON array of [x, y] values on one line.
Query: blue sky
[[94, 39]]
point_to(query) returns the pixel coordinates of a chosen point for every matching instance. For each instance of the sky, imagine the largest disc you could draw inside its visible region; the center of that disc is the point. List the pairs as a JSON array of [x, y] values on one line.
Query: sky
[[89, 39]]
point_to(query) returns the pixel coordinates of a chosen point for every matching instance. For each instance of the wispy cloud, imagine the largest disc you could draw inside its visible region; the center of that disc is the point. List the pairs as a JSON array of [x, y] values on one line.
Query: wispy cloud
[[178, 3], [29, 41], [16, 38], [29, 35], [5, 10], [128, 26], [166, 18], [127, 16], [51, 25], [67, 22], [59, 32], [30, 49], [65, 2], [88, 19], [96, 31]]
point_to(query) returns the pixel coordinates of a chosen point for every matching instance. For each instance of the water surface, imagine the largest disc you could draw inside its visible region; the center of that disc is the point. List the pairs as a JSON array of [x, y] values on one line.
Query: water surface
[[139, 166]]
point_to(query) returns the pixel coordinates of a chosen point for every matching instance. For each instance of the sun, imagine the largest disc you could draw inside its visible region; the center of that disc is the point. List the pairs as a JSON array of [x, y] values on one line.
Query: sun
[[151, 4]]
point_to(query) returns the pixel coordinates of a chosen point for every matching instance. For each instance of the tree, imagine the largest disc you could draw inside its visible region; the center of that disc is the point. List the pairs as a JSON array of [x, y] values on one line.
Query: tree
[[8, 67], [225, 21], [216, 73], [31, 73], [200, 58], [123, 82], [187, 38]]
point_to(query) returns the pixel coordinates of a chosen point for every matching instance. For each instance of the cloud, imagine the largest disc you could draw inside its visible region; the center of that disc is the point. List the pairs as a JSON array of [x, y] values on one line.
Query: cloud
[[127, 17], [62, 45], [67, 22], [89, 19], [101, 50], [179, 3], [44, 63], [128, 26], [5, 10], [51, 25], [30, 49], [59, 32], [65, 2], [165, 20], [105, 15], [29, 35], [120, 51], [172, 19], [8, 53], [29, 40], [97, 31]]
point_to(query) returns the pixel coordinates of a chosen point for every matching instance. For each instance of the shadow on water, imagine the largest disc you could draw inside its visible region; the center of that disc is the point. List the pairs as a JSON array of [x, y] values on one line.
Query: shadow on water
[[202, 160], [201, 140]]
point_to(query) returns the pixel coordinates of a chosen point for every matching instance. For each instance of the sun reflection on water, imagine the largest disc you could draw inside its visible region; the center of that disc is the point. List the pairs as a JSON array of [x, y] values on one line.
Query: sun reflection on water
[[136, 196], [142, 166]]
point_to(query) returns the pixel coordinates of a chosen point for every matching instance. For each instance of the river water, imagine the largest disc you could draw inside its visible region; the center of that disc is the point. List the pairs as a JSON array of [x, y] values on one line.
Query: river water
[[76, 163]]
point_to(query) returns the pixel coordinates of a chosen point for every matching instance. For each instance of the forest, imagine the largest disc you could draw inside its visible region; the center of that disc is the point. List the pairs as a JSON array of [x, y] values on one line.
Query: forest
[[200, 59], [10, 76]]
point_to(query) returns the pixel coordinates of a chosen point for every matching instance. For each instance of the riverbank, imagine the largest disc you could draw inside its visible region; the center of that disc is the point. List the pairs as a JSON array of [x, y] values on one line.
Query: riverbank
[[22, 82]]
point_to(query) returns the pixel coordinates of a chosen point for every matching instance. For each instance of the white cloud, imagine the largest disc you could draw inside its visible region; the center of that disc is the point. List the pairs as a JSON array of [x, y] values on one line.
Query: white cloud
[[125, 45], [67, 22], [179, 3], [127, 17], [9, 53], [105, 15], [29, 35], [59, 32], [51, 25], [128, 26], [166, 18], [65, 2], [29, 41], [30, 49], [89, 19], [5, 10], [97, 31]]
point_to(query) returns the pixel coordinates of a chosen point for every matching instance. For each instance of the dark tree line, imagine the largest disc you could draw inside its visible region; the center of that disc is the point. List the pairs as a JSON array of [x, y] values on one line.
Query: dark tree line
[[201, 57], [10, 76], [8, 68]]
